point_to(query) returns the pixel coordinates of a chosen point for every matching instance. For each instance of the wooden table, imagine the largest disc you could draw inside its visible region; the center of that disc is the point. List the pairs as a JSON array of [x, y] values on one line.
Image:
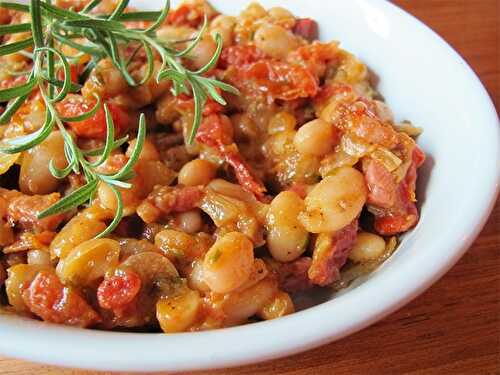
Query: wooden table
[[453, 328]]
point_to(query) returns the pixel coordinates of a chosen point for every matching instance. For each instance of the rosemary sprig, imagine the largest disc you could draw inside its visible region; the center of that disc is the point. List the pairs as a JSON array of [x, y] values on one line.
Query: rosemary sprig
[[100, 36]]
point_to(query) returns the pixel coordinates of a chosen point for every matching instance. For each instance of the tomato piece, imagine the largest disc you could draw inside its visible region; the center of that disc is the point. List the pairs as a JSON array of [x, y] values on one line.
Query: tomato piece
[[212, 133], [48, 298], [239, 55], [307, 28], [94, 127], [281, 80], [119, 290]]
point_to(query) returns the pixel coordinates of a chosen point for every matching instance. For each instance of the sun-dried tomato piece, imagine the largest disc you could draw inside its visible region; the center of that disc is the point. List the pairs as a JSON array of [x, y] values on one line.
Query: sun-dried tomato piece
[[242, 171], [330, 254], [48, 298], [213, 133], [281, 80], [119, 290]]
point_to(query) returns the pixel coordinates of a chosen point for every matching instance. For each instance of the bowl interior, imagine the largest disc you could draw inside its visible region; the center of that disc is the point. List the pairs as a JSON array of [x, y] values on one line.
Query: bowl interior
[[422, 80]]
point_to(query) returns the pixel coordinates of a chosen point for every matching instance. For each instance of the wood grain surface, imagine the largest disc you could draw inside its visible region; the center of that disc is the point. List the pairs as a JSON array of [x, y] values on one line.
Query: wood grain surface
[[453, 328]]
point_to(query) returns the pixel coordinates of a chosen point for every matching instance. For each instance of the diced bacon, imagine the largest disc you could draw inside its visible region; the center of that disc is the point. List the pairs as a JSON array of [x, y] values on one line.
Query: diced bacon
[[307, 28], [330, 254], [293, 276], [23, 210], [358, 117], [382, 185], [48, 298], [403, 214], [175, 199]]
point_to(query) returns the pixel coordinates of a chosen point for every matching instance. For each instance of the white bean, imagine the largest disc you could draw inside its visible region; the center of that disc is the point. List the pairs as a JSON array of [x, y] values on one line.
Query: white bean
[[228, 263], [314, 138], [335, 201], [368, 246], [286, 238], [275, 41]]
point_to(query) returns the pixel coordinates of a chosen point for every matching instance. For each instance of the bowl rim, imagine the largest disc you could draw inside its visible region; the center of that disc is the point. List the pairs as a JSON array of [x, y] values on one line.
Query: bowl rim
[[268, 339]]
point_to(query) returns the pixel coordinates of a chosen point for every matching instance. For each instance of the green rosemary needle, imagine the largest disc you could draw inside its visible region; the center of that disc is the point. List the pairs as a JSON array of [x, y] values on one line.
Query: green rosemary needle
[[102, 35]]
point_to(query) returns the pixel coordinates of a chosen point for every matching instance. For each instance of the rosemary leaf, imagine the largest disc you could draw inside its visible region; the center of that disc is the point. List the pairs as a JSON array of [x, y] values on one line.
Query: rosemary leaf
[[75, 199], [11, 48]]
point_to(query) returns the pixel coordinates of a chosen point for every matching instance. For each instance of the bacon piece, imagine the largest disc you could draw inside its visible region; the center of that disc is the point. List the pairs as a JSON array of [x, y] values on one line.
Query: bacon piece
[[403, 214], [118, 291], [356, 115], [24, 209], [164, 200], [307, 28], [382, 185], [48, 298], [239, 55], [280, 80], [292, 276], [213, 133], [330, 254]]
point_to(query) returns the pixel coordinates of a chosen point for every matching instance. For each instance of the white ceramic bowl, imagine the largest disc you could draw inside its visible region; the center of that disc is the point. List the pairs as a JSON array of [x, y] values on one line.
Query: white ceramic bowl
[[422, 79]]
